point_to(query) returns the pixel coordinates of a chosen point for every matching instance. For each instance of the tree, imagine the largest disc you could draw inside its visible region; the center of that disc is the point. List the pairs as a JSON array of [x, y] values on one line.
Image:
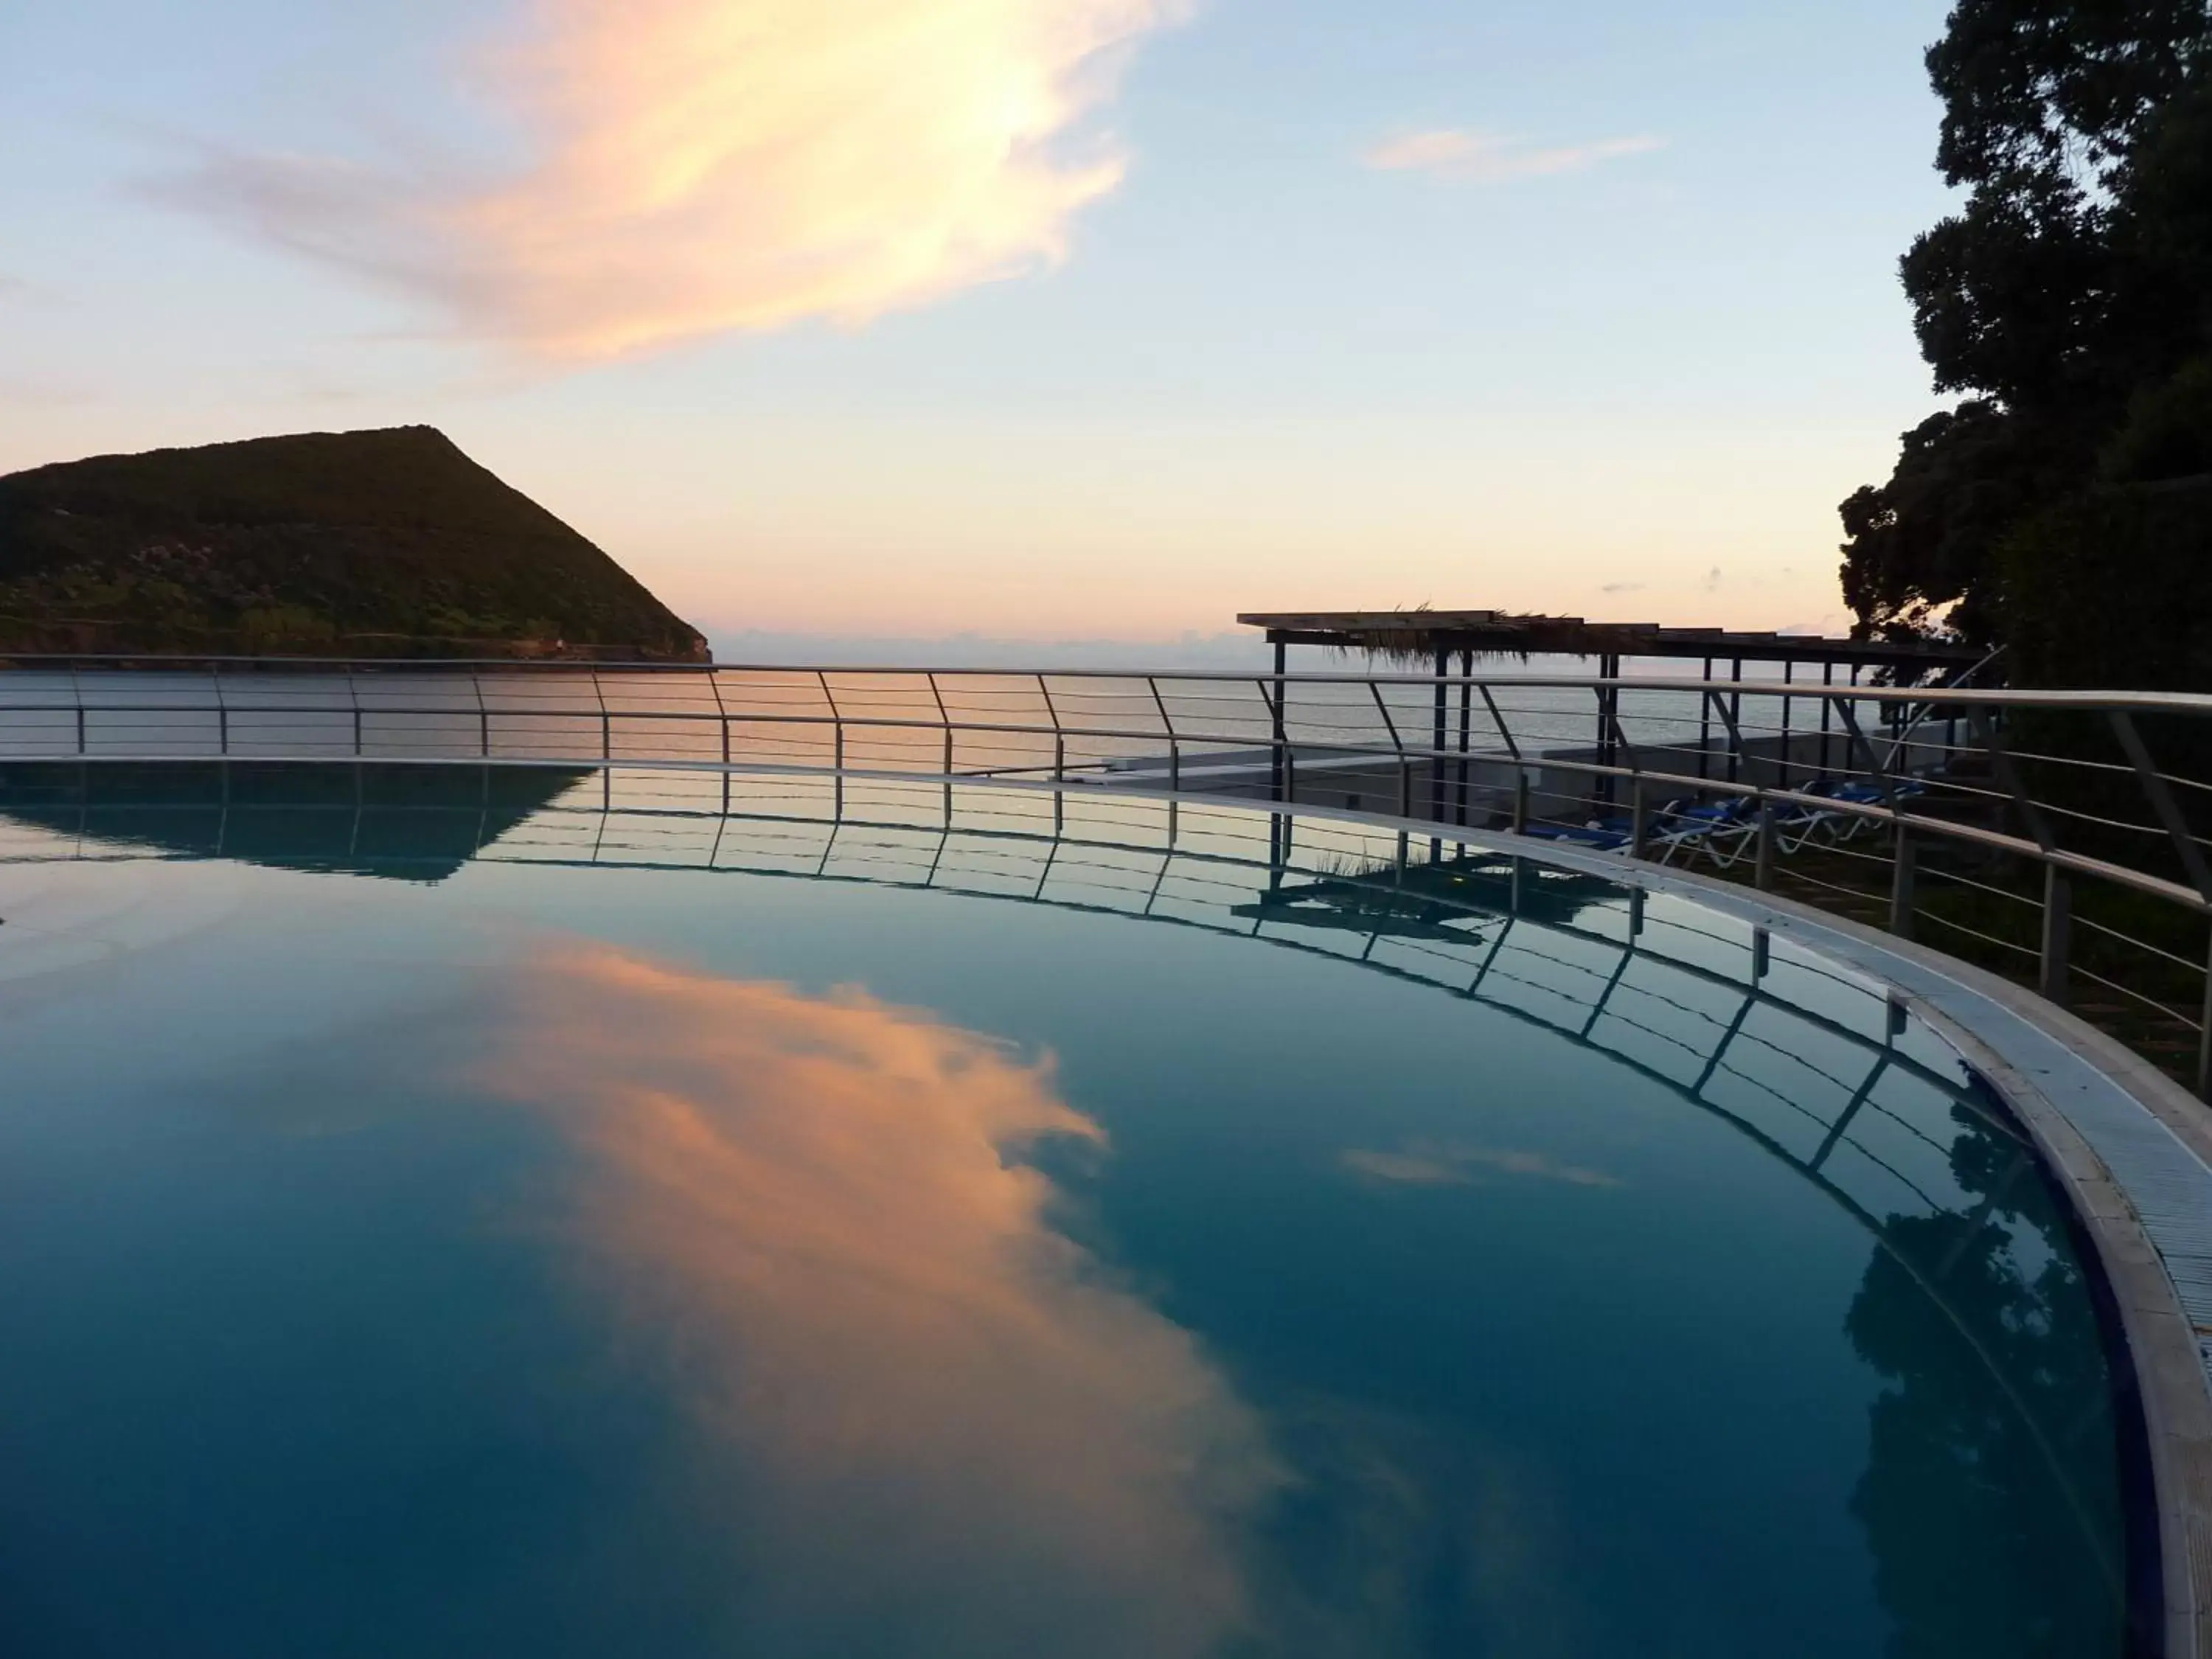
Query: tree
[[2070, 295]]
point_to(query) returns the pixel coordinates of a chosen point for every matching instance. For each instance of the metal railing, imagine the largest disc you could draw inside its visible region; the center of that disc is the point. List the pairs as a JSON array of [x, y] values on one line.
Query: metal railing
[[2035, 832]]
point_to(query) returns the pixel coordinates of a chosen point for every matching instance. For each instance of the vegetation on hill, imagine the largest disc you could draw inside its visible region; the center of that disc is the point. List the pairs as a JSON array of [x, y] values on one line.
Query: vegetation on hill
[[360, 543], [2063, 507]]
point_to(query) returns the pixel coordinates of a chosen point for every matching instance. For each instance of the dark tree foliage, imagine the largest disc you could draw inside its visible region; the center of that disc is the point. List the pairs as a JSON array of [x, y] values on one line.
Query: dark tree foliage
[[1966, 476], [2070, 295]]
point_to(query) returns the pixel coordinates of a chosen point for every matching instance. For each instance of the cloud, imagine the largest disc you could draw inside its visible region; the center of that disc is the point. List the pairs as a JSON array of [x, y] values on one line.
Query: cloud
[[1421, 1164], [1714, 578], [812, 1217], [1621, 588], [700, 167], [1487, 158], [1406, 1169]]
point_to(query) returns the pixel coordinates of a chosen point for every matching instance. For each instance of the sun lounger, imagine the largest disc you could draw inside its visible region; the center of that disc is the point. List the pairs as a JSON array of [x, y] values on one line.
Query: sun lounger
[[1716, 827], [1596, 837]]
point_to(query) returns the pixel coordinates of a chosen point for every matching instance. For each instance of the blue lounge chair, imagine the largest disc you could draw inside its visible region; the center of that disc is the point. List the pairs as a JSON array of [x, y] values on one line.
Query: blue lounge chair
[[1596, 835], [1719, 829], [1843, 826]]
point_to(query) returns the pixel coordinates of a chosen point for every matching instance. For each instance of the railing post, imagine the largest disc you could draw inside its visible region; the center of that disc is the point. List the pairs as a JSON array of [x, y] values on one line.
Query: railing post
[[1827, 711], [1782, 775], [1437, 741], [1520, 800], [1639, 819], [1174, 744], [1901, 884], [1600, 796], [1465, 719], [2162, 803], [1281, 726], [81, 748], [1405, 771], [1737, 758], [836, 735], [944, 719], [2204, 1035], [1059, 735], [2057, 930], [1762, 867], [722, 720], [1497, 718], [1705, 723], [606, 740]]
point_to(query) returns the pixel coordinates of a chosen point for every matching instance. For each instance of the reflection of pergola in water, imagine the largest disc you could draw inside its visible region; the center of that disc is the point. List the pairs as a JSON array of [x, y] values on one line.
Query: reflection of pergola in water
[[1576, 956], [1457, 924]]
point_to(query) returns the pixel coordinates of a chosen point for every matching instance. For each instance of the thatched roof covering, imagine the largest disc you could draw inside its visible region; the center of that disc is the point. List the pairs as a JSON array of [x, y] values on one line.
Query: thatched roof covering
[[1424, 633]]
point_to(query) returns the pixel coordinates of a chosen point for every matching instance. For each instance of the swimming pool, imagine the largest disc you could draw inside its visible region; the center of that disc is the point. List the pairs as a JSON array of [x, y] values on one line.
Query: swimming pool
[[465, 1210]]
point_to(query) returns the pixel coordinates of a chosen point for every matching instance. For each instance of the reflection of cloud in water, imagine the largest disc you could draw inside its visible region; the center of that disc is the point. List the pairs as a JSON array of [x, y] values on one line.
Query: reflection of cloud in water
[[947, 1419], [1424, 1163]]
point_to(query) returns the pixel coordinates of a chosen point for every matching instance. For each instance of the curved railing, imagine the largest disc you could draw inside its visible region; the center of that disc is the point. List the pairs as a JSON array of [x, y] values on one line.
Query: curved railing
[[2036, 832]]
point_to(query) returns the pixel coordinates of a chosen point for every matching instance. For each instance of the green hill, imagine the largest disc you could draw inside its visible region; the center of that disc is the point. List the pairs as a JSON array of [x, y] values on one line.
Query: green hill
[[388, 544]]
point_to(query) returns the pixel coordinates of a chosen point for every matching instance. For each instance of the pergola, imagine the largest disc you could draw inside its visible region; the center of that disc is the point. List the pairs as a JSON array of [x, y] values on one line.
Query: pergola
[[1468, 633], [1422, 634]]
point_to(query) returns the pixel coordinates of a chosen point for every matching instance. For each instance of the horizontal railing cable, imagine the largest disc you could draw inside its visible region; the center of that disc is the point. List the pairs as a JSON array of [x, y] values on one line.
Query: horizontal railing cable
[[1754, 778]]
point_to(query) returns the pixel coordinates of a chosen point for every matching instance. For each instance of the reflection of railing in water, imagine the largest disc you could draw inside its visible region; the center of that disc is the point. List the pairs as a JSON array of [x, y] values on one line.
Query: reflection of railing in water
[[1166, 860], [1976, 813], [1819, 1069]]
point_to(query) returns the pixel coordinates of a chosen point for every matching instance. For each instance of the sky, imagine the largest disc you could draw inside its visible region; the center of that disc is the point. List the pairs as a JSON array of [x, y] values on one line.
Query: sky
[[1035, 320]]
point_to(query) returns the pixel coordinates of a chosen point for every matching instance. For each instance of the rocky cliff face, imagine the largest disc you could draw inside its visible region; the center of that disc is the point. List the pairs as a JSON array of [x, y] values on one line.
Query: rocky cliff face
[[386, 543]]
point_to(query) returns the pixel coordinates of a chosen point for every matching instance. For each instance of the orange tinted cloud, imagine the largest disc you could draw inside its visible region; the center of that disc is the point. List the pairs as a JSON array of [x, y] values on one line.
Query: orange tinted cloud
[[1490, 158], [813, 1212], [696, 166], [1423, 1164]]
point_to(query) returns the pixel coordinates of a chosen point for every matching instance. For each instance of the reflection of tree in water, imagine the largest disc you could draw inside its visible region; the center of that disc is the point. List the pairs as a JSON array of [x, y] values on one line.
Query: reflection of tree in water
[[1992, 1508]]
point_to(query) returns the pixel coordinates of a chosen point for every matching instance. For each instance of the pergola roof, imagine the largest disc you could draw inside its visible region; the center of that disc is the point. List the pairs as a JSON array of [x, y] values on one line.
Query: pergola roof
[[1422, 632]]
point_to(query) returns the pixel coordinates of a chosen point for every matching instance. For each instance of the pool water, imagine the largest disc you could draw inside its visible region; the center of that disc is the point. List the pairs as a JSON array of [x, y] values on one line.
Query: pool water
[[526, 1214]]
